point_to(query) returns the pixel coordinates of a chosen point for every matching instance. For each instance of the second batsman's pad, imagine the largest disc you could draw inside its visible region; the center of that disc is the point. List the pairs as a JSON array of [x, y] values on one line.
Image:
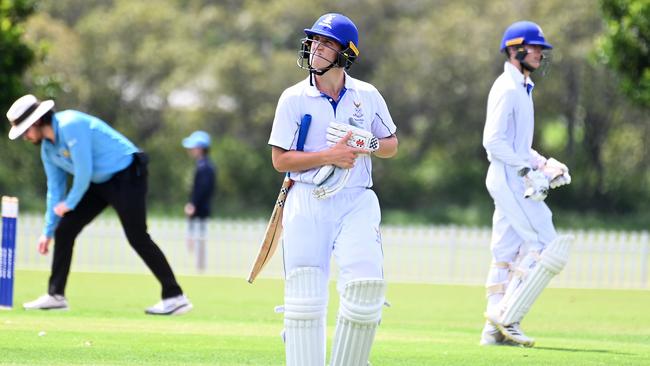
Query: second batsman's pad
[[357, 321], [530, 278], [332, 184], [305, 307], [497, 282], [360, 138]]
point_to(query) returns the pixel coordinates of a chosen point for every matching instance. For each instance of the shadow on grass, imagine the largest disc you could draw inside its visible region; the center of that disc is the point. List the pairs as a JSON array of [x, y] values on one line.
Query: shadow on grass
[[584, 350]]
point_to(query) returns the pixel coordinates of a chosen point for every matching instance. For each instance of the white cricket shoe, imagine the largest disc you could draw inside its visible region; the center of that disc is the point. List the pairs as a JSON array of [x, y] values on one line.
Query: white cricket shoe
[[47, 302], [176, 305], [511, 332], [514, 333], [492, 336]]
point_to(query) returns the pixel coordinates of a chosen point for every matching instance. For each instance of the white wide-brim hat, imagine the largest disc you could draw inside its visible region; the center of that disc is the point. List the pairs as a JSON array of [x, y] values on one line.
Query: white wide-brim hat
[[25, 112]]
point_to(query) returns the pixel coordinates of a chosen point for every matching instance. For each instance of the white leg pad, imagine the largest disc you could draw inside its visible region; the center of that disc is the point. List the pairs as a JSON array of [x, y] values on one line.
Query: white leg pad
[[305, 308], [359, 315], [524, 290]]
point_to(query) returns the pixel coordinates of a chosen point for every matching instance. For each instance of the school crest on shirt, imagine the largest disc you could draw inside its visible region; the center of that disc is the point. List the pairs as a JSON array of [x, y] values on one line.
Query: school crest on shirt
[[358, 112]]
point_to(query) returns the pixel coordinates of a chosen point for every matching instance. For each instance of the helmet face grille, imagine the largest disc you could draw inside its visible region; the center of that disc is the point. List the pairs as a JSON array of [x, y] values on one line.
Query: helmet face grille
[[345, 58]]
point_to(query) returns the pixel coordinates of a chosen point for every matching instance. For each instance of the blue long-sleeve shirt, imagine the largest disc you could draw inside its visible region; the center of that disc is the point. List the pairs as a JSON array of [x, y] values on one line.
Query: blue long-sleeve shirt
[[88, 149], [203, 187]]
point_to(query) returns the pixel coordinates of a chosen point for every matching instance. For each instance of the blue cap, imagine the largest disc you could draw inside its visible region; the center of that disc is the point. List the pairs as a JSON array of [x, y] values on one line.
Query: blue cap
[[339, 28], [524, 32], [199, 139]]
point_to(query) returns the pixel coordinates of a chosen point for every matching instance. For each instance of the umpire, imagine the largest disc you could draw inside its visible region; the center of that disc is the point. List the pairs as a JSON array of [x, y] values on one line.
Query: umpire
[[107, 169]]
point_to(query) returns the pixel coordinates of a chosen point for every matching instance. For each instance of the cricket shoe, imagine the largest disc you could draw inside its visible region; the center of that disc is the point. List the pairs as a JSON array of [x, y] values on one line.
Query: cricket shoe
[[47, 302], [176, 305], [511, 332], [491, 336]]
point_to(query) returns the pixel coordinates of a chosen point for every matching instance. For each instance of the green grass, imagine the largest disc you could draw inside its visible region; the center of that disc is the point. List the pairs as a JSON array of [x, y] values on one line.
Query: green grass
[[233, 323]]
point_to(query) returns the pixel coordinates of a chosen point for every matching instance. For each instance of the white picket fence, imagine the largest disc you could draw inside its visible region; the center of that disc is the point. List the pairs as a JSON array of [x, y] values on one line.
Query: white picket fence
[[423, 254]]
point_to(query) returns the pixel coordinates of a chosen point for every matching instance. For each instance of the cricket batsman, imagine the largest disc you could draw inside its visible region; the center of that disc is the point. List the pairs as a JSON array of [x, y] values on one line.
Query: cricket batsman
[[527, 252], [331, 209]]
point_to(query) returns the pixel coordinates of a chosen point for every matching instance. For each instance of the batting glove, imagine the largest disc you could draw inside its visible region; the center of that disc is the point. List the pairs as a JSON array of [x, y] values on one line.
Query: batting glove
[[557, 173], [360, 138], [536, 184]]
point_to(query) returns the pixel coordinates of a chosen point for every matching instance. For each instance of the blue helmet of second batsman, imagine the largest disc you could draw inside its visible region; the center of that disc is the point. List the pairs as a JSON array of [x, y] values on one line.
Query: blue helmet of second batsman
[[523, 33], [337, 27]]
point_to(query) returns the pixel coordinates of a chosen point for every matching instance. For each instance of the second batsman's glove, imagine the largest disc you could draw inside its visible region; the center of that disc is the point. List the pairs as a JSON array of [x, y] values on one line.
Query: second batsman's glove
[[360, 138], [557, 173], [536, 184]]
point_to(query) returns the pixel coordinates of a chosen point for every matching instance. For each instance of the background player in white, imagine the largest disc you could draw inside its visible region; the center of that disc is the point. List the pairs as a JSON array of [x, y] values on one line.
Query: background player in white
[[518, 180], [346, 224]]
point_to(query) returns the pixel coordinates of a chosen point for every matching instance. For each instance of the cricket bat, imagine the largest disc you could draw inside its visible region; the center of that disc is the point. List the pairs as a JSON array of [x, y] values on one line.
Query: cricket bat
[[272, 234], [273, 231]]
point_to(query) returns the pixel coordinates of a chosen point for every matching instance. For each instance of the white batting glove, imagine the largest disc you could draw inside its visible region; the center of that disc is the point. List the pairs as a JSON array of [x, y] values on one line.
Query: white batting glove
[[336, 181], [561, 180], [360, 138], [536, 184], [557, 173]]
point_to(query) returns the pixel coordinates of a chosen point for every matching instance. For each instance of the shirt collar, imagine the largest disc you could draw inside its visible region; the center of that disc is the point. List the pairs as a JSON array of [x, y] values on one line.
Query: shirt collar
[[516, 75], [55, 128], [312, 91]]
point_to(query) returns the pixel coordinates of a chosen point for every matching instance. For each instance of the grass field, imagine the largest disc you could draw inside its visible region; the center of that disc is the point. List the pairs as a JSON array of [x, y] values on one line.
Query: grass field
[[233, 323]]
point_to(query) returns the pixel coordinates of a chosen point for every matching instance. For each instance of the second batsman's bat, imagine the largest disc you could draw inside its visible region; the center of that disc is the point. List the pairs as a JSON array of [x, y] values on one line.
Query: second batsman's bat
[[273, 231]]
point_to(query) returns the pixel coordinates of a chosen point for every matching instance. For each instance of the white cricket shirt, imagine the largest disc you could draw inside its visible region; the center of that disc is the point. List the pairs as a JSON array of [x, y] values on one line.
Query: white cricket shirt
[[510, 121], [360, 102]]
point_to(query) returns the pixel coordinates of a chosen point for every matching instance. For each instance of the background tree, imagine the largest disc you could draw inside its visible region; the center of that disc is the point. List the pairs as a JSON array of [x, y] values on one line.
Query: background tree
[[17, 171], [625, 46], [158, 70], [15, 55]]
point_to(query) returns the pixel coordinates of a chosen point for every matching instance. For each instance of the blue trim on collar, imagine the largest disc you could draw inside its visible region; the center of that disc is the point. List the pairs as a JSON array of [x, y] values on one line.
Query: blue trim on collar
[[529, 88], [333, 102]]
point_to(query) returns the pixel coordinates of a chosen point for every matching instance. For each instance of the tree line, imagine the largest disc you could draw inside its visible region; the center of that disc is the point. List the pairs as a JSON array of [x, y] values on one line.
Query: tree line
[[159, 69]]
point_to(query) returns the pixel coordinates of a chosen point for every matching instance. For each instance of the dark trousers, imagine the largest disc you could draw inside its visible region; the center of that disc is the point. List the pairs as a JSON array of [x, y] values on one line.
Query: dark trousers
[[126, 192]]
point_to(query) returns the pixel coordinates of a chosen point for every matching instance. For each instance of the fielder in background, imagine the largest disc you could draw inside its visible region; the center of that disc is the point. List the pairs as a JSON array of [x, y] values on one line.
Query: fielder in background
[[107, 169], [526, 250], [198, 208], [331, 209]]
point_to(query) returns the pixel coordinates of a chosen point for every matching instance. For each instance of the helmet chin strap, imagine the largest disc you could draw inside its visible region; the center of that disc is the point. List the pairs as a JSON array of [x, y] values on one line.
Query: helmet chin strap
[[319, 72]]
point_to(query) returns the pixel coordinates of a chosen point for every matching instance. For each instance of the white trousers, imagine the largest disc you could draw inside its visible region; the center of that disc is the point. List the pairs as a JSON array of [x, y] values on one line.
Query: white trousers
[[519, 225], [345, 225]]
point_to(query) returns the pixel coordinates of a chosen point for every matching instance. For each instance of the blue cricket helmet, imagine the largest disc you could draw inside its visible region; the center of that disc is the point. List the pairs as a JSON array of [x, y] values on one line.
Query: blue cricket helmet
[[339, 28], [524, 32]]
